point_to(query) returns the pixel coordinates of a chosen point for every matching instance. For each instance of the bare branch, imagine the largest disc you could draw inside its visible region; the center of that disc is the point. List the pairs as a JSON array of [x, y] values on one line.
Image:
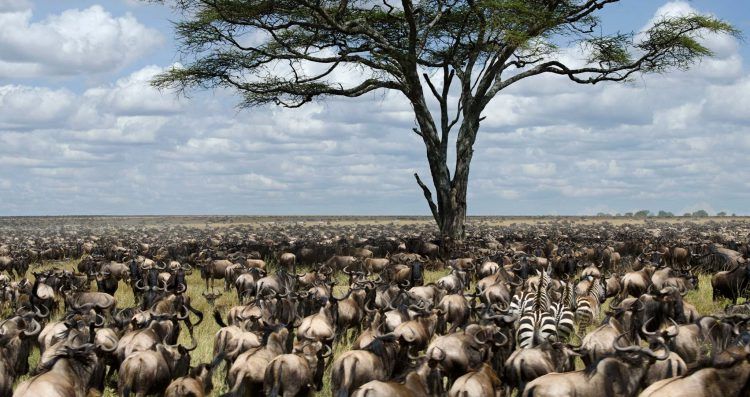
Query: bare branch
[[428, 197]]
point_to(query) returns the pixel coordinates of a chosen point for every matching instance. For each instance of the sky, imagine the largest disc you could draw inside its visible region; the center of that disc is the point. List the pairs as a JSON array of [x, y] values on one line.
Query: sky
[[83, 132]]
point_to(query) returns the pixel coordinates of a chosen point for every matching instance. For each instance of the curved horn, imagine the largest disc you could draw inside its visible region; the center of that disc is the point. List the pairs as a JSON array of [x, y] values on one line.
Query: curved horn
[[479, 341], [38, 313], [624, 349], [643, 328], [676, 329], [107, 350], [328, 353], [505, 340], [193, 345], [34, 331], [412, 356]]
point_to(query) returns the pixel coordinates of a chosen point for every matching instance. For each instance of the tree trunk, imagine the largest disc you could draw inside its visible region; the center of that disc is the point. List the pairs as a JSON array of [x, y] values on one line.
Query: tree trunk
[[450, 211]]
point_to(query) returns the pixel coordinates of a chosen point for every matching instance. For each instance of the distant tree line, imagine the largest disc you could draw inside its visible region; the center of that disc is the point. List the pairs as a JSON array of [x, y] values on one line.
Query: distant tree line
[[661, 214]]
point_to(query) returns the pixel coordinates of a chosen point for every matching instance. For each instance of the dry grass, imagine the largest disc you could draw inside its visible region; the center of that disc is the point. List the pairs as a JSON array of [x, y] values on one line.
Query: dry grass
[[204, 333]]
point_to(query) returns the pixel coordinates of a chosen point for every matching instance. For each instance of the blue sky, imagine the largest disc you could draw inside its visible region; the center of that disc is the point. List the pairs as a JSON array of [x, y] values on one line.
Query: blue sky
[[81, 131]]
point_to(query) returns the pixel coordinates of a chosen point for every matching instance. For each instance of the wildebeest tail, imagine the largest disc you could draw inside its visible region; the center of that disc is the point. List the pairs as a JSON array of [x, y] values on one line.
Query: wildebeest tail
[[129, 380], [276, 379], [217, 317], [346, 380]]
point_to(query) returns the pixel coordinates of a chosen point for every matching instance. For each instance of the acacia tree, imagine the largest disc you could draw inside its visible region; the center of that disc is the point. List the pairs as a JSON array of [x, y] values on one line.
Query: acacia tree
[[455, 55]]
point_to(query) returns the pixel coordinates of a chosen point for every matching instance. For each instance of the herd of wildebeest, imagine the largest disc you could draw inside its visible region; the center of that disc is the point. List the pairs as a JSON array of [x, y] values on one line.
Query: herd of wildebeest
[[517, 310]]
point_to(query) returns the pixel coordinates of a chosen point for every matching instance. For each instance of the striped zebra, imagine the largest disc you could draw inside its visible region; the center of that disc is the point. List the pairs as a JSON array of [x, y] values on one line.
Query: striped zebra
[[587, 309], [521, 304], [534, 328], [568, 297], [537, 323], [564, 313], [564, 320], [587, 305]]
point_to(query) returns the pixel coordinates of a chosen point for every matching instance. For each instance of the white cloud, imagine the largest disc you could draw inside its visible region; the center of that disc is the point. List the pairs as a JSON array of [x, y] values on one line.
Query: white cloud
[[73, 42], [134, 95], [547, 145], [23, 106], [14, 5], [539, 169]]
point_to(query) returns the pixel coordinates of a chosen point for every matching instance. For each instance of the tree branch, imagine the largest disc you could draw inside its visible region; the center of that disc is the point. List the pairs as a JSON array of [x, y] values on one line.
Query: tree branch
[[428, 197]]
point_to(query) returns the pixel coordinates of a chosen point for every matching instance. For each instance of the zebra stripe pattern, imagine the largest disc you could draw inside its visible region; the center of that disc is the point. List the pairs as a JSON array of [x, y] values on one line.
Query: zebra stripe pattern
[[587, 310], [564, 320], [535, 328]]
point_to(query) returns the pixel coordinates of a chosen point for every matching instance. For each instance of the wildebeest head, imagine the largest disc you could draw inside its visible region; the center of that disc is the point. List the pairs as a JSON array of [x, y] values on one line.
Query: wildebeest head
[[177, 357], [416, 278]]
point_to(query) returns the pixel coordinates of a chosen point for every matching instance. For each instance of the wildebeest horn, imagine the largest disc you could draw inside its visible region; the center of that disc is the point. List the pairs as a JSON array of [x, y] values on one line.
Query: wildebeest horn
[[345, 270], [676, 329], [34, 331], [181, 288], [479, 341], [328, 353], [107, 350], [619, 348], [185, 316], [412, 356], [505, 340], [100, 321], [137, 283], [643, 328], [193, 345], [38, 313]]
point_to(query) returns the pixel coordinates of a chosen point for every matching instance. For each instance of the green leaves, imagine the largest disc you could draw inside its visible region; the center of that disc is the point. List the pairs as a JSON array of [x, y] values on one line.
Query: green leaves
[[676, 41], [240, 44], [610, 52]]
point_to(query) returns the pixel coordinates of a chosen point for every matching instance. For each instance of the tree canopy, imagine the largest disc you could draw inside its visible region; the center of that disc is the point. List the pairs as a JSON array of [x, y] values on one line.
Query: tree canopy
[[449, 58]]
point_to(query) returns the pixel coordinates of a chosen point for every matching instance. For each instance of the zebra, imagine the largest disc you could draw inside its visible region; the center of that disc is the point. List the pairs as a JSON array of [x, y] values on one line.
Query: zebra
[[538, 321], [535, 328], [587, 305], [522, 303], [564, 320], [564, 313], [587, 309]]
